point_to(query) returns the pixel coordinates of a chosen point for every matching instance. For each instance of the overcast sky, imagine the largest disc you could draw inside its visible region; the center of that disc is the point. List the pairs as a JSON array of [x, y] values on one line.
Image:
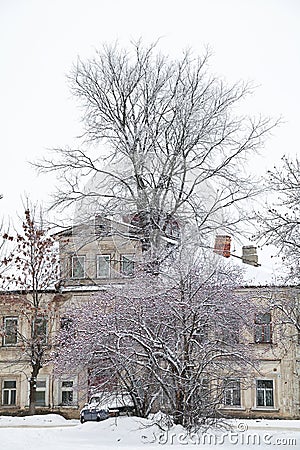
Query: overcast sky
[[255, 40]]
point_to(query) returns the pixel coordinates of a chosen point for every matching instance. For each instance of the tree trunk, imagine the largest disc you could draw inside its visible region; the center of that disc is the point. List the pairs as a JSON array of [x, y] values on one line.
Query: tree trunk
[[32, 389], [32, 395], [179, 413]]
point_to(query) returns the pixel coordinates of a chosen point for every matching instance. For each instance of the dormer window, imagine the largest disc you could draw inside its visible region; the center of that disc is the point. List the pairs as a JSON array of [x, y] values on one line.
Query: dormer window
[[102, 226]]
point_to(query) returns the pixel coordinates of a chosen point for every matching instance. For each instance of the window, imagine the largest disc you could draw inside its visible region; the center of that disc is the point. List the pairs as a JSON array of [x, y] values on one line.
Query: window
[[172, 228], [10, 331], [202, 396], [40, 398], [40, 329], [232, 392], [9, 392], [102, 226], [78, 267], [127, 264], [229, 336], [67, 395], [263, 328], [103, 266], [264, 393], [66, 323], [201, 333], [67, 329]]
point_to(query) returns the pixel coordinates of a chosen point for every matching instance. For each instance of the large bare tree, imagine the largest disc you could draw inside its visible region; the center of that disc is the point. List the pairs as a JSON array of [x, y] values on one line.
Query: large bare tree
[[163, 143]]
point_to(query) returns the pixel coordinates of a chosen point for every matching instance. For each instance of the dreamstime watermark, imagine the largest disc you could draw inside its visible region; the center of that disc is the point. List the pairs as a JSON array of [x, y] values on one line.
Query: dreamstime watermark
[[239, 437]]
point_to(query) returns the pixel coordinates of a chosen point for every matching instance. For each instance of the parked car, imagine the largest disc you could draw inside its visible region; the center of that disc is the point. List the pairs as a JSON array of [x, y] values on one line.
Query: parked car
[[88, 414], [104, 405]]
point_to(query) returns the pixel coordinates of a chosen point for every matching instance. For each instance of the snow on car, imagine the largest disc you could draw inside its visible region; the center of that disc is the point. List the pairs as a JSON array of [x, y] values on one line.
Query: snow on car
[[103, 405]]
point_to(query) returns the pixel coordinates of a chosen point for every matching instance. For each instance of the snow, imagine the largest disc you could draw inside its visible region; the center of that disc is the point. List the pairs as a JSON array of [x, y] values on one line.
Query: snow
[[107, 401], [52, 431], [48, 420]]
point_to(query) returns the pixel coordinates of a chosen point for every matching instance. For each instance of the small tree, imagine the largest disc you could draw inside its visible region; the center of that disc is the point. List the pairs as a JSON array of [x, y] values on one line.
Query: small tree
[[33, 269]]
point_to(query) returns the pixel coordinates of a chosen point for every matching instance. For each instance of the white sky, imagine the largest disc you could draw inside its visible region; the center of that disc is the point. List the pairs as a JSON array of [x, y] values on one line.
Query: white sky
[[40, 39]]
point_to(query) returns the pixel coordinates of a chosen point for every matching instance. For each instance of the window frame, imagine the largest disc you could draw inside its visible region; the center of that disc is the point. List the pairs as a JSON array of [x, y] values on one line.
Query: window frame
[[263, 328], [82, 265], [108, 263], [15, 334], [66, 323], [232, 389], [203, 391], [68, 390], [41, 389], [201, 334], [42, 323], [230, 337], [265, 391], [129, 257], [9, 390]]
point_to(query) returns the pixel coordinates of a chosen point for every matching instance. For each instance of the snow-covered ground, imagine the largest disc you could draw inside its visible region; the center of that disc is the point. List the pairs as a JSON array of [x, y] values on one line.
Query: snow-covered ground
[[54, 432]]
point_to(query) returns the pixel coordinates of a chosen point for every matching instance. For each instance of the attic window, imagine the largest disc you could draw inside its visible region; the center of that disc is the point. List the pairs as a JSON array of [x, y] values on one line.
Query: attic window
[[101, 226]]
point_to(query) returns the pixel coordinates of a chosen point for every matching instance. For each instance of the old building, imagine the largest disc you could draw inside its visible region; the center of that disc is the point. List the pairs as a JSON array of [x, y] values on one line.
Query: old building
[[96, 254], [91, 256], [273, 388], [15, 369]]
